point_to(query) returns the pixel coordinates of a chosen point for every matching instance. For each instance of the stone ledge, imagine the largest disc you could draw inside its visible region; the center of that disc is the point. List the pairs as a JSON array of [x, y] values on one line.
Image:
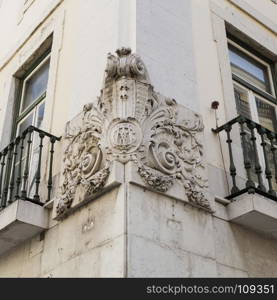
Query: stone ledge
[[19, 222], [255, 212]]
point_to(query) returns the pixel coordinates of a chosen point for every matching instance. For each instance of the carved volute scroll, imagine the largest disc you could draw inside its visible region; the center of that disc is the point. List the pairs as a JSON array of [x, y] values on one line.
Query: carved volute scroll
[[131, 122]]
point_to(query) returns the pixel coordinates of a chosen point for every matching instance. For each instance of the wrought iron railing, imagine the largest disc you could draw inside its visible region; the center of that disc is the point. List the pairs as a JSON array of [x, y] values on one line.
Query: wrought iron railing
[[21, 167], [259, 158]]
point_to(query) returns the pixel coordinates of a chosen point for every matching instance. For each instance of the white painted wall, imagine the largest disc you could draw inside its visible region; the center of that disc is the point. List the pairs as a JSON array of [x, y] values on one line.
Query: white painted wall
[[164, 40]]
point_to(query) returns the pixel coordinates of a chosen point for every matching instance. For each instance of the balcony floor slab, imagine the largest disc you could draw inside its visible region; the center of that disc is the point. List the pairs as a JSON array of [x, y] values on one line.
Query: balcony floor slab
[[255, 212], [19, 222]]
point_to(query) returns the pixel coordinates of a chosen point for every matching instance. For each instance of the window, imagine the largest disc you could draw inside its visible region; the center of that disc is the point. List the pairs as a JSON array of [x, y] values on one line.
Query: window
[[249, 69], [31, 109], [34, 86], [253, 84], [255, 97]]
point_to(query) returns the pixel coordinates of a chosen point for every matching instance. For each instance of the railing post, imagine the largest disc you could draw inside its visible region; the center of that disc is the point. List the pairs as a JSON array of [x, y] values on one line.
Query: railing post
[[19, 179], [7, 173], [3, 163], [50, 180], [258, 169], [38, 173], [26, 169], [247, 164], [232, 167], [12, 183], [268, 173]]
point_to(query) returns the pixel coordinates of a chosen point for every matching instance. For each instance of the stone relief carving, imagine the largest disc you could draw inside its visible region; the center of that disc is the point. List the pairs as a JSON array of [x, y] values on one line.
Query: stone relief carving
[[83, 159], [173, 151], [131, 122]]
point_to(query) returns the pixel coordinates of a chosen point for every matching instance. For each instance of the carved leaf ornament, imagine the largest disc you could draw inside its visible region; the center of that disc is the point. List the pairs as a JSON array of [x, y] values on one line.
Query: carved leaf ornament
[[131, 122]]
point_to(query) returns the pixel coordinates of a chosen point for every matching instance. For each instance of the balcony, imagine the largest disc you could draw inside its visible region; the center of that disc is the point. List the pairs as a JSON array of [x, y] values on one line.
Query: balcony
[[254, 183], [253, 200], [25, 186]]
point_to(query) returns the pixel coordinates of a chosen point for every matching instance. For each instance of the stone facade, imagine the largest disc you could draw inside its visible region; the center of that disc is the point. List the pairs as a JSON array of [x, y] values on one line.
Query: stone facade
[[139, 177]]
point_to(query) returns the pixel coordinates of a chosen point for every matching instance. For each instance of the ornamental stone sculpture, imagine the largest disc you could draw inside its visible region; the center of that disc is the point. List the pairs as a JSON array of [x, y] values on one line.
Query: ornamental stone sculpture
[[131, 122]]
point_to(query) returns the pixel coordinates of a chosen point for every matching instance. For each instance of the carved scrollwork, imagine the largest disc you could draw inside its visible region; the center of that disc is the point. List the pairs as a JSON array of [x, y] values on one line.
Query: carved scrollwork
[[83, 159], [175, 149], [131, 122], [97, 182], [164, 158], [125, 64]]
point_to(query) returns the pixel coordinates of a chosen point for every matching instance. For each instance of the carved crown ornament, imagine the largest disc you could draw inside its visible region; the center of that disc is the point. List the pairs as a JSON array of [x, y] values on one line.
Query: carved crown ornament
[[131, 122]]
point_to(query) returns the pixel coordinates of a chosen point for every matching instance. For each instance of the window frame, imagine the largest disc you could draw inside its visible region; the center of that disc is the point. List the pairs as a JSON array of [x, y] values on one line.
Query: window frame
[[251, 89], [20, 116], [248, 51]]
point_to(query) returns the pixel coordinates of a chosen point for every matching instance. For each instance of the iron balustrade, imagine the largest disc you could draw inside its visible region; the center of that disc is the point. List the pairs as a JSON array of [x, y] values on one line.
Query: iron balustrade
[[20, 173], [257, 173]]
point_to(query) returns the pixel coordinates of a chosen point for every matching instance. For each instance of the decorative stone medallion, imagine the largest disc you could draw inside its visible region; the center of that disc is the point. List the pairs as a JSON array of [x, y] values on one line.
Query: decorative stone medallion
[[124, 136]]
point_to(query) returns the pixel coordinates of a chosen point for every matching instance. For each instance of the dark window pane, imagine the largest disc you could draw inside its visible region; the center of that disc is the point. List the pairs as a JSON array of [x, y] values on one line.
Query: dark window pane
[[25, 124], [266, 113], [21, 128], [249, 69], [242, 103], [36, 85], [40, 115]]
